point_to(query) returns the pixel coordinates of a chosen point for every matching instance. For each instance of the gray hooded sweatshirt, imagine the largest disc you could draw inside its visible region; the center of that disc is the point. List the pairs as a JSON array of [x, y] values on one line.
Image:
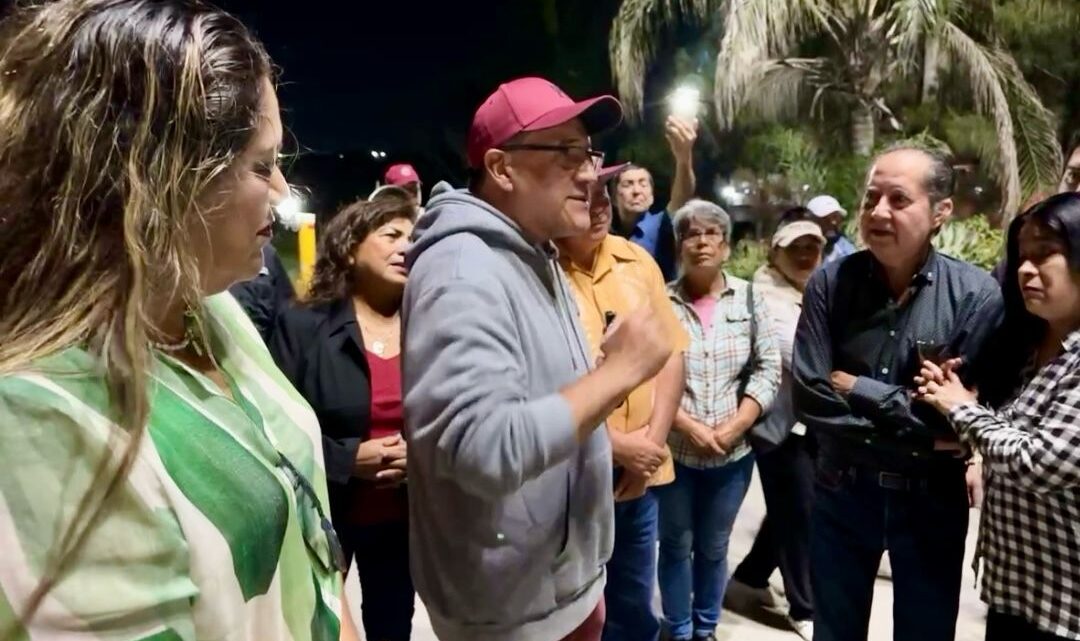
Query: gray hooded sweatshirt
[[511, 519]]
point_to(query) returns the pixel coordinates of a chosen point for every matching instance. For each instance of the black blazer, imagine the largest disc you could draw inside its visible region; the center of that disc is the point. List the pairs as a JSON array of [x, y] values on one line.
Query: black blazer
[[320, 349]]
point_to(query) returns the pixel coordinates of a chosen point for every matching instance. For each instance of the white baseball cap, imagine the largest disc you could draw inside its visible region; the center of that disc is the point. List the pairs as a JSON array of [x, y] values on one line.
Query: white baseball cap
[[791, 232], [822, 206]]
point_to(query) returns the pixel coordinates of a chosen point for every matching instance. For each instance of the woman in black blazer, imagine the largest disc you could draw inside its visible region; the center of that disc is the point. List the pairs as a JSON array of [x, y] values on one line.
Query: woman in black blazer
[[341, 348]]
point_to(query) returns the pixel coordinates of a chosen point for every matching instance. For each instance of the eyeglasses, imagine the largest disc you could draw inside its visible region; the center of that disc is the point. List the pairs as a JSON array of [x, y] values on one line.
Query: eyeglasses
[[333, 555], [703, 234], [574, 156]]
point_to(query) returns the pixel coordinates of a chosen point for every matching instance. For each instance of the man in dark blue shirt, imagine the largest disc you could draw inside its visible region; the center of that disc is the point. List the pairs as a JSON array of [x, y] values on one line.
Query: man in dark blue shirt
[[634, 197], [891, 474]]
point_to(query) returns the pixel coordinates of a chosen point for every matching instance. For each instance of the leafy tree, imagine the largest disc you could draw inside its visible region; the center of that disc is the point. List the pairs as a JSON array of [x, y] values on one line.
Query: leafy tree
[[855, 62]]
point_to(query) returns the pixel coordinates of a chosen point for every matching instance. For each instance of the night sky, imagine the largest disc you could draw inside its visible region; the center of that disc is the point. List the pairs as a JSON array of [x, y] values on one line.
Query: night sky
[[405, 77]]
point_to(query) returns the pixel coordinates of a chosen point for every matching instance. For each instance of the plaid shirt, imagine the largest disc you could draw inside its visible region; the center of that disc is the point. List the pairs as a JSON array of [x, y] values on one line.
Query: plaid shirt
[[714, 361], [1030, 531]]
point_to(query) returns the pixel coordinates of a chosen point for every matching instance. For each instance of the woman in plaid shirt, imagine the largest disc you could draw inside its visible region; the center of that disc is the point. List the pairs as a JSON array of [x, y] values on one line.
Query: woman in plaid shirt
[[732, 374], [1030, 538]]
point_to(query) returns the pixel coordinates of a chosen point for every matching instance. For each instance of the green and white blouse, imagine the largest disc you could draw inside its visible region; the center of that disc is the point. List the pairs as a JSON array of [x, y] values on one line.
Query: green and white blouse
[[211, 536]]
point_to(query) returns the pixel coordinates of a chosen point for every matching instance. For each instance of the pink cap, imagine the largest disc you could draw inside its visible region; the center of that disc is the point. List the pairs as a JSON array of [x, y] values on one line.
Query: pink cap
[[401, 174], [531, 104], [607, 173]]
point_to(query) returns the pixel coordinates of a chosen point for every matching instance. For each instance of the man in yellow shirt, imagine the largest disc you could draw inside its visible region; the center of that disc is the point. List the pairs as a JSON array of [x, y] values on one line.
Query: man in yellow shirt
[[612, 277]]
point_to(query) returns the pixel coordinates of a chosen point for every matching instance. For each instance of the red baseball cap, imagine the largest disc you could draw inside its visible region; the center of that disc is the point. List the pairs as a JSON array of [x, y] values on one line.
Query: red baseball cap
[[531, 104], [607, 173], [400, 174]]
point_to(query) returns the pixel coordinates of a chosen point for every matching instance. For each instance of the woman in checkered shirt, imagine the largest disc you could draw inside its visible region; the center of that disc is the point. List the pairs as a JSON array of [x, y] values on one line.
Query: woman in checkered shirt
[[1030, 533]]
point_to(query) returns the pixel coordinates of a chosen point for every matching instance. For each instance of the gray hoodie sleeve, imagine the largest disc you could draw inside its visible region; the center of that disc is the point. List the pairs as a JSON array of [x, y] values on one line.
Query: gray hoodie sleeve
[[467, 405]]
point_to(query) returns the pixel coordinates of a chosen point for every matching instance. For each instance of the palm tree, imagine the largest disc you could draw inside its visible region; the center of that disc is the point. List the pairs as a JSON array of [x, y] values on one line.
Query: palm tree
[[853, 59]]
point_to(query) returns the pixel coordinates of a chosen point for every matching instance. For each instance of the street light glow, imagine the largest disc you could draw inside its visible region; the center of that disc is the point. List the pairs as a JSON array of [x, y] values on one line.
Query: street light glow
[[290, 211], [290, 205]]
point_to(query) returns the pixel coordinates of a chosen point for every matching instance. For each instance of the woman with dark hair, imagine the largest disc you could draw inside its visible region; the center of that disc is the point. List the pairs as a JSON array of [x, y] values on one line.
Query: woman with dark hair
[[1030, 444], [794, 214], [159, 477], [782, 448], [341, 349]]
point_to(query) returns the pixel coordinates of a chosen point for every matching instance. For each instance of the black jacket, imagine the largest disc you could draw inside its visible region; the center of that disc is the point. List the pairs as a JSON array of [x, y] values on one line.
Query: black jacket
[[320, 349], [267, 295]]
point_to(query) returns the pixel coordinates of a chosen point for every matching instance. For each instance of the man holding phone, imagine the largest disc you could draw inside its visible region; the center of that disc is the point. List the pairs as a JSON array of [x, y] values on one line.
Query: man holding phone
[[611, 278], [634, 196]]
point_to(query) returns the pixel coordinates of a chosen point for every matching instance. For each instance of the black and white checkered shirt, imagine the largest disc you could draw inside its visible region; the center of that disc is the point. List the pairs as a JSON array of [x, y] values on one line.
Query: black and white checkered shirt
[[1030, 531]]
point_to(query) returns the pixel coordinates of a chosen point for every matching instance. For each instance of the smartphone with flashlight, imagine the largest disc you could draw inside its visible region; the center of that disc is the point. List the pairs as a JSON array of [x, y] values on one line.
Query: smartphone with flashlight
[[685, 102]]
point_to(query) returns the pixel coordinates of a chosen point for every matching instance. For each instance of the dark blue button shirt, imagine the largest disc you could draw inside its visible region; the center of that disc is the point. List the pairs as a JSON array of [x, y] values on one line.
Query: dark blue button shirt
[[656, 234], [851, 323]]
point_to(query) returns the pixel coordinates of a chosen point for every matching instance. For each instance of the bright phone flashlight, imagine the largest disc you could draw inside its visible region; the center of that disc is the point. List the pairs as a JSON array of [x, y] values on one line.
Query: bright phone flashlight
[[685, 102]]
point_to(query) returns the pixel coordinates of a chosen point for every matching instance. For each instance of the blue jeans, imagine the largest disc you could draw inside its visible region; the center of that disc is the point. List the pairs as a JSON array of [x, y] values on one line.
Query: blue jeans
[[697, 513], [631, 573], [920, 519]]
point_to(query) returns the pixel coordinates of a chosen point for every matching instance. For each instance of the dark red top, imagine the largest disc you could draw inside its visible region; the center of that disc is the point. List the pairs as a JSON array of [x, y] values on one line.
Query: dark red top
[[375, 505]]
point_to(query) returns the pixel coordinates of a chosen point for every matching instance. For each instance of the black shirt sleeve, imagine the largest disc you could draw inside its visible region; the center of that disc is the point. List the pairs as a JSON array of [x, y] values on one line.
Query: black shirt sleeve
[[817, 404]]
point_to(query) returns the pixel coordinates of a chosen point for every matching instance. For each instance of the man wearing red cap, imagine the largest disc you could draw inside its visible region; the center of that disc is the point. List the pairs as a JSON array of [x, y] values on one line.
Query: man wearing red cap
[[404, 175], [510, 489]]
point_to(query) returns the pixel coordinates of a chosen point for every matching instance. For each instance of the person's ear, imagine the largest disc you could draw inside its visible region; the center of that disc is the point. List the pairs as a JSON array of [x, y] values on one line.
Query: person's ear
[[942, 213], [497, 166]]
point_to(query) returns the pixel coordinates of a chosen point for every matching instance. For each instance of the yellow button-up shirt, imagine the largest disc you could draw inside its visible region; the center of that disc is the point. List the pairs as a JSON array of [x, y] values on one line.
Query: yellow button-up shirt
[[623, 278]]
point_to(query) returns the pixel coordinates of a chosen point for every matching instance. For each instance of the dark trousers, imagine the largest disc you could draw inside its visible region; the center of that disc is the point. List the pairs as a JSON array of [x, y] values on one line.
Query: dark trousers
[[787, 480], [631, 572], [1007, 627], [920, 519], [382, 564]]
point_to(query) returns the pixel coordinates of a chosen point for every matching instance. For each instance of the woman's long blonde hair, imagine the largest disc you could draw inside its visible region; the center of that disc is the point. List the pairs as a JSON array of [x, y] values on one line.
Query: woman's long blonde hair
[[115, 116]]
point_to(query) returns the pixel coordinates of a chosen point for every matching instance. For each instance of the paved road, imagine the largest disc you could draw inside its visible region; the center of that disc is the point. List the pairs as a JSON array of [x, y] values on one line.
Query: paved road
[[970, 627]]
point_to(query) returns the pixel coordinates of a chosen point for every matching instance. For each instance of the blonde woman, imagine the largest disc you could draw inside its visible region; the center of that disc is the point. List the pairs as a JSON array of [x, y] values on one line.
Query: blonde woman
[[159, 477]]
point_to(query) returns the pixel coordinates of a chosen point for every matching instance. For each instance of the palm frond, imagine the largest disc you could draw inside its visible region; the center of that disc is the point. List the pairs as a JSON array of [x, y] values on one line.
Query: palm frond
[[635, 33], [1038, 151], [912, 22], [988, 89], [786, 88], [755, 32]]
